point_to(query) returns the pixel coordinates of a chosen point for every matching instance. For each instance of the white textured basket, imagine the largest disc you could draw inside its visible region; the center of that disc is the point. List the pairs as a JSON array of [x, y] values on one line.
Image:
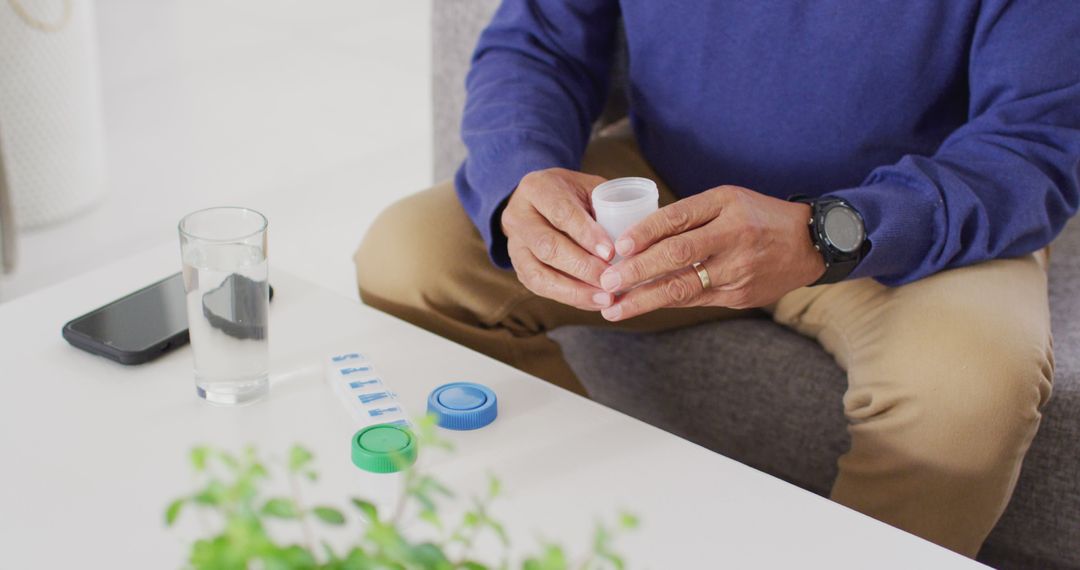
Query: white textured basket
[[51, 132]]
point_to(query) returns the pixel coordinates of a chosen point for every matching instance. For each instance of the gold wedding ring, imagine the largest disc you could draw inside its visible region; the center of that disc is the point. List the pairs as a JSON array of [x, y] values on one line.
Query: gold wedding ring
[[702, 274]]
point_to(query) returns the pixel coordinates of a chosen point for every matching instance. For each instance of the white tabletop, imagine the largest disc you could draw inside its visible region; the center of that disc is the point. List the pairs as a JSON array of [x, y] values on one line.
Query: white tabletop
[[93, 451]]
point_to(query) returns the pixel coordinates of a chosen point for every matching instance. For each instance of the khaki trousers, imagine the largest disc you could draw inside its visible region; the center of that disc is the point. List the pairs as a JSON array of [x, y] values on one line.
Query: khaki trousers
[[946, 376]]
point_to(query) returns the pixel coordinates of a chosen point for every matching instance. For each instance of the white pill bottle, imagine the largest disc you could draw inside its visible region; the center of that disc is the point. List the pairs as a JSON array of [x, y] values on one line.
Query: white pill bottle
[[620, 203]]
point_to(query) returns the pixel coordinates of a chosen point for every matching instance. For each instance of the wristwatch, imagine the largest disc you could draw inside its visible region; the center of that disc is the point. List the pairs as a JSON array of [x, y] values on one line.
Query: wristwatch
[[838, 233]]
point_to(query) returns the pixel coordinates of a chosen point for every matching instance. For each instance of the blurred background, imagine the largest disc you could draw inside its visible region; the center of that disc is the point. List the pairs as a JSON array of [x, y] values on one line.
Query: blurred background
[[316, 113]]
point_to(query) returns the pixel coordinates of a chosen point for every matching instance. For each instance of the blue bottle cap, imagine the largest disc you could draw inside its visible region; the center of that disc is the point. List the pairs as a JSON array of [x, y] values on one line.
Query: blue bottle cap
[[463, 405]]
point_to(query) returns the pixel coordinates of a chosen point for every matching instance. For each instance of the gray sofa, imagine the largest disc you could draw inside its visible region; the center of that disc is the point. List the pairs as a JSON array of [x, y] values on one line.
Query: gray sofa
[[767, 397]]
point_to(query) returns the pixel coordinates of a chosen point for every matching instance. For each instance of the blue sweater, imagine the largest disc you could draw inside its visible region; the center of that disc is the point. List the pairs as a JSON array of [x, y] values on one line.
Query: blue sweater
[[952, 126]]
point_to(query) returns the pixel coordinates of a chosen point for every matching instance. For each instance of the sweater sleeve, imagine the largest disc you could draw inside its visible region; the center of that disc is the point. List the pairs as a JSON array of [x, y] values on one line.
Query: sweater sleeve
[[1006, 182], [538, 80]]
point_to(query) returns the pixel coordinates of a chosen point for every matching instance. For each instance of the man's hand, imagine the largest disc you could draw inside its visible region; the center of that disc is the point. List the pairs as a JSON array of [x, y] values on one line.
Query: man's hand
[[756, 248], [557, 248]]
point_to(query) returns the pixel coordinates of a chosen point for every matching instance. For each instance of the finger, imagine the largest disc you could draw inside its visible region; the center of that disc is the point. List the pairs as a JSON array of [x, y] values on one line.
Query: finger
[[673, 219], [555, 249], [569, 216], [666, 256], [549, 283], [679, 289], [726, 289]]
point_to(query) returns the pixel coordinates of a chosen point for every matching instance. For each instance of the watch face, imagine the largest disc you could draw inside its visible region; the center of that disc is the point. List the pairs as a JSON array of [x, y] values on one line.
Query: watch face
[[843, 229]]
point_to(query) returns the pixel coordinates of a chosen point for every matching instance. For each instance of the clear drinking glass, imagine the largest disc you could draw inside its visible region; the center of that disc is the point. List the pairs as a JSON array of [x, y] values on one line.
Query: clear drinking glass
[[225, 278]]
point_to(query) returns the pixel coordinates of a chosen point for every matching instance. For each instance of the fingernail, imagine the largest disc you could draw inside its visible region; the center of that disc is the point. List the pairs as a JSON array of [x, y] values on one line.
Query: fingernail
[[624, 246], [602, 299], [610, 280], [612, 313], [603, 251]]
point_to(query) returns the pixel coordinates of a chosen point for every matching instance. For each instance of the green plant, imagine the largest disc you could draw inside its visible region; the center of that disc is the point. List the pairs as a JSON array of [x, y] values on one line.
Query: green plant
[[231, 488]]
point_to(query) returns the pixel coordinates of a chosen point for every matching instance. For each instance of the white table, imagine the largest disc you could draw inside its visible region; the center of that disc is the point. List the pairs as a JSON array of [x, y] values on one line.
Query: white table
[[93, 451]]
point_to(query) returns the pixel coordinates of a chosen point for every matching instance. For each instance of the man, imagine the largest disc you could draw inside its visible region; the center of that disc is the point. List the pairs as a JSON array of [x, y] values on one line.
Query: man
[[933, 147]]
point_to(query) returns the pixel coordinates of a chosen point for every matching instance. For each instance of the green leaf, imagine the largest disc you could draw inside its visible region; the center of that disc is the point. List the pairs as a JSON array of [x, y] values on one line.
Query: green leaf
[[298, 458], [229, 460], [329, 515], [615, 560], [258, 471], [602, 543], [601, 537], [213, 495], [198, 458], [213, 553], [368, 508], [173, 511], [470, 565], [552, 558], [289, 558], [280, 508], [243, 490], [629, 521], [427, 483], [434, 485], [432, 518], [428, 555], [500, 531], [356, 559], [388, 544], [331, 556], [425, 501], [494, 486], [428, 435]]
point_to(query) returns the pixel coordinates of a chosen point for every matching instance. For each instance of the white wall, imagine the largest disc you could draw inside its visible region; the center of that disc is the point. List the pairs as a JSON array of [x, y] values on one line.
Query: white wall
[[317, 112]]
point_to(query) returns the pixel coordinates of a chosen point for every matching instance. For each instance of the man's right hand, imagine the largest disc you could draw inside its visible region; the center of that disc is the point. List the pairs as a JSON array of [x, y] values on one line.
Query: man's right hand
[[557, 248]]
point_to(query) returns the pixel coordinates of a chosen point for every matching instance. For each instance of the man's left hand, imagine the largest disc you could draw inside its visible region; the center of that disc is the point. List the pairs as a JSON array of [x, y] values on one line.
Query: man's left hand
[[756, 248]]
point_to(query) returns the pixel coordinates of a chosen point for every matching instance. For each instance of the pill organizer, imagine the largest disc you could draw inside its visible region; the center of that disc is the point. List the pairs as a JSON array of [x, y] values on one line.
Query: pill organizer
[[363, 392], [385, 442]]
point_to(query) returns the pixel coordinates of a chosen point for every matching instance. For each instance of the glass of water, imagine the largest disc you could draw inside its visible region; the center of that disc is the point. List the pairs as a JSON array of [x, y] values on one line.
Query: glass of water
[[225, 278]]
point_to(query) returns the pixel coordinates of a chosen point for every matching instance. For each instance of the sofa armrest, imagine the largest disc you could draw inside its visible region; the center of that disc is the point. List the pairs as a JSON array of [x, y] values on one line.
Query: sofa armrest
[[455, 27], [1065, 305]]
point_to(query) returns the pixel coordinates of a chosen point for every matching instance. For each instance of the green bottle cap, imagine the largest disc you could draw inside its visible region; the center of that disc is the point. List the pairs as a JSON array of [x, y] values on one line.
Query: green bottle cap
[[383, 448]]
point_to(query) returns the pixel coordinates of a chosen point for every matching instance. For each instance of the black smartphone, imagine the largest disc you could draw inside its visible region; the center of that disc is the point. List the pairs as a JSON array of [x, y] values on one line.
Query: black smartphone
[[141, 326]]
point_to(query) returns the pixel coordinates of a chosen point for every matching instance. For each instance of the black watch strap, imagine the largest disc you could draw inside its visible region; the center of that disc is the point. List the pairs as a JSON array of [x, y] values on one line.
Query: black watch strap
[[836, 272]]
